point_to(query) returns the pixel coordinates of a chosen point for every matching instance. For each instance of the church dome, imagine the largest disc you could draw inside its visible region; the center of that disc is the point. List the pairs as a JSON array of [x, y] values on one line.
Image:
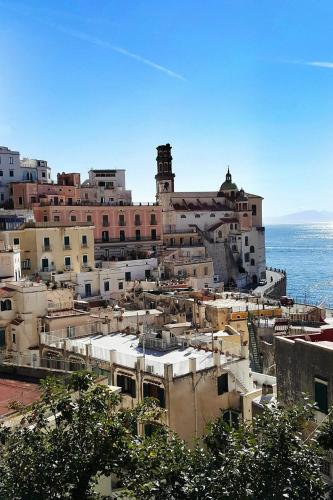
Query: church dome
[[228, 185]]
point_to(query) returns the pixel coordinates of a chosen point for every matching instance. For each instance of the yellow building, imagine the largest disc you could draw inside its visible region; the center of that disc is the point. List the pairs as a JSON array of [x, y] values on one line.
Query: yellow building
[[52, 246]]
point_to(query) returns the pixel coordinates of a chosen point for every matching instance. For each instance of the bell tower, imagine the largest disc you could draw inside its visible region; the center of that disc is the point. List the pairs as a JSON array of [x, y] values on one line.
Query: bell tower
[[165, 177]]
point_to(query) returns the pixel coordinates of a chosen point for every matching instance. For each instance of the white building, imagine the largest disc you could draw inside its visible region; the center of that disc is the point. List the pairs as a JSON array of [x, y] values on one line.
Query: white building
[[10, 171], [106, 186], [36, 170], [228, 222], [10, 262]]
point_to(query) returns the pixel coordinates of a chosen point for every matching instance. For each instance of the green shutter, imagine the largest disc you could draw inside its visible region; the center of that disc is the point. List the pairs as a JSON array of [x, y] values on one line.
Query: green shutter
[[2, 337], [321, 396]]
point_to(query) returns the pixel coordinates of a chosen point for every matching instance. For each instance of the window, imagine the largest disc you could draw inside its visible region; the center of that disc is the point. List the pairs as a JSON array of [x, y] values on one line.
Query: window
[[121, 220], [206, 271], [20, 200], [71, 331], [231, 417], [45, 218], [73, 218], [252, 263], [11, 161], [89, 218], [84, 240], [46, 243], [154, 391], [246, 241], [84, 259], [2, 337], [105, 236], [247, 257], [120, 285], [183, 216], [105, 221], [87, 289], [138, 235], [153, 219], [222, 384], [153, 234], [244, 215], [122, 235], [219, 234], [137, 220], [2, 197], [231, 226], [14, 338], [320, 394], [106, 286], [6, 305], [1, 173], [16, 241], [43, 174], [66, 242], [127, 384], [254, 209], [56, 218], [128, 276], [67, 261], [197, 216], [212, 215], [11, 173]]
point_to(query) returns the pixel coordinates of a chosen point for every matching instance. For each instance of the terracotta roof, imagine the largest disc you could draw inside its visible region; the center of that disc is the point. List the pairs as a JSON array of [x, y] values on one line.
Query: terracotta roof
[[16, 390]]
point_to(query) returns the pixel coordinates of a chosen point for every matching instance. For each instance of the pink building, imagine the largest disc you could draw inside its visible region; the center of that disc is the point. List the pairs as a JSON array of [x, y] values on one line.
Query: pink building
[[25, 194], [120, 231]]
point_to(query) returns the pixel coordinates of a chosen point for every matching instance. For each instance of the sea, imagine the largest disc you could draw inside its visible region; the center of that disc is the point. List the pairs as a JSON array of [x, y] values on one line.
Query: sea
[[305, 251]]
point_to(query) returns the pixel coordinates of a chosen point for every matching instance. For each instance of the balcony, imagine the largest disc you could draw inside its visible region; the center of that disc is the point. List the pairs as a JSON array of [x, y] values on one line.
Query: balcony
[[129, 239], [68, 268], [84, 245], [105, 223], [121, 223], [67, 247], [47, 248]]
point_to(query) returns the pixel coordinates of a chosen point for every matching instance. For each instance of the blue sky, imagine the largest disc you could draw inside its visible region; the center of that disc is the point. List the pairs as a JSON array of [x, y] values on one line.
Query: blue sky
[[242, 83]]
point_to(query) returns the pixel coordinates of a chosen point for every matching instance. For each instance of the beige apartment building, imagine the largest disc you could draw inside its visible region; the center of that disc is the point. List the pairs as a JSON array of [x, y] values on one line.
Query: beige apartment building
[[22, 303], [47, 247]]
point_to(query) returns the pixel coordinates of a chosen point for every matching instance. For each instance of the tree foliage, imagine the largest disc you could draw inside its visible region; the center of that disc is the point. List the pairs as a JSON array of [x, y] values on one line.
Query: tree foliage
[[78, 432]]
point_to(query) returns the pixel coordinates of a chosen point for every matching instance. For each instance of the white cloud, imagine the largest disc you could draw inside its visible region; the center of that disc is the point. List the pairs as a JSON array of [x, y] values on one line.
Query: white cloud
[[316, 64]]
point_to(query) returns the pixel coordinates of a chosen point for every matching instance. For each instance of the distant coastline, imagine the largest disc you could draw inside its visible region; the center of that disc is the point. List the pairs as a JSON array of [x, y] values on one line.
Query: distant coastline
[[305, 217]]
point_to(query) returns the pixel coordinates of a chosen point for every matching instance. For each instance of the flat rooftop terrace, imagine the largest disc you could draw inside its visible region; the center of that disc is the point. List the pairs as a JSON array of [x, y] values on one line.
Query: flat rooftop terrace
[[16, 390], [127, 351]]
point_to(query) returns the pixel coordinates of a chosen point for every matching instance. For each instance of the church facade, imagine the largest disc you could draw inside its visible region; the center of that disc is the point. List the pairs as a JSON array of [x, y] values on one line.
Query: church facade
[[226, 222]]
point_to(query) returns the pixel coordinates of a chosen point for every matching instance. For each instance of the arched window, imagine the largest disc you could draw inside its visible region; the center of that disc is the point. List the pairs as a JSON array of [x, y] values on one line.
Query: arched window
[[6, 305], [251, 249], [219, 234], [160, 167], [231, 226], [244, 215]]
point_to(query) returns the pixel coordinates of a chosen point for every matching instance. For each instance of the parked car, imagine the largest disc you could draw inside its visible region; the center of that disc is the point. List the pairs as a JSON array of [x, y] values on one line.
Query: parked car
[[262, 282], [286, 301]]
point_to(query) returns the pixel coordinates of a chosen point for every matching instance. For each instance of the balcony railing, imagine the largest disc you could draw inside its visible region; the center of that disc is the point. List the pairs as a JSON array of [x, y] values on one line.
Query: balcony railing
[[84, 245], [121, 223], [129, 240], [67, 247], [47, 248]]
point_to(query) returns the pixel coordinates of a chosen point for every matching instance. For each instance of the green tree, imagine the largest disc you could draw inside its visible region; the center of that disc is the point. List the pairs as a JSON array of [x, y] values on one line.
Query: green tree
[[71, 436], [269, 460]]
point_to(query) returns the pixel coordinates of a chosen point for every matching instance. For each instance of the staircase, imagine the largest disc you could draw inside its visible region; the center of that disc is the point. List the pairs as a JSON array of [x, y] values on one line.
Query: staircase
[[255, 360]]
